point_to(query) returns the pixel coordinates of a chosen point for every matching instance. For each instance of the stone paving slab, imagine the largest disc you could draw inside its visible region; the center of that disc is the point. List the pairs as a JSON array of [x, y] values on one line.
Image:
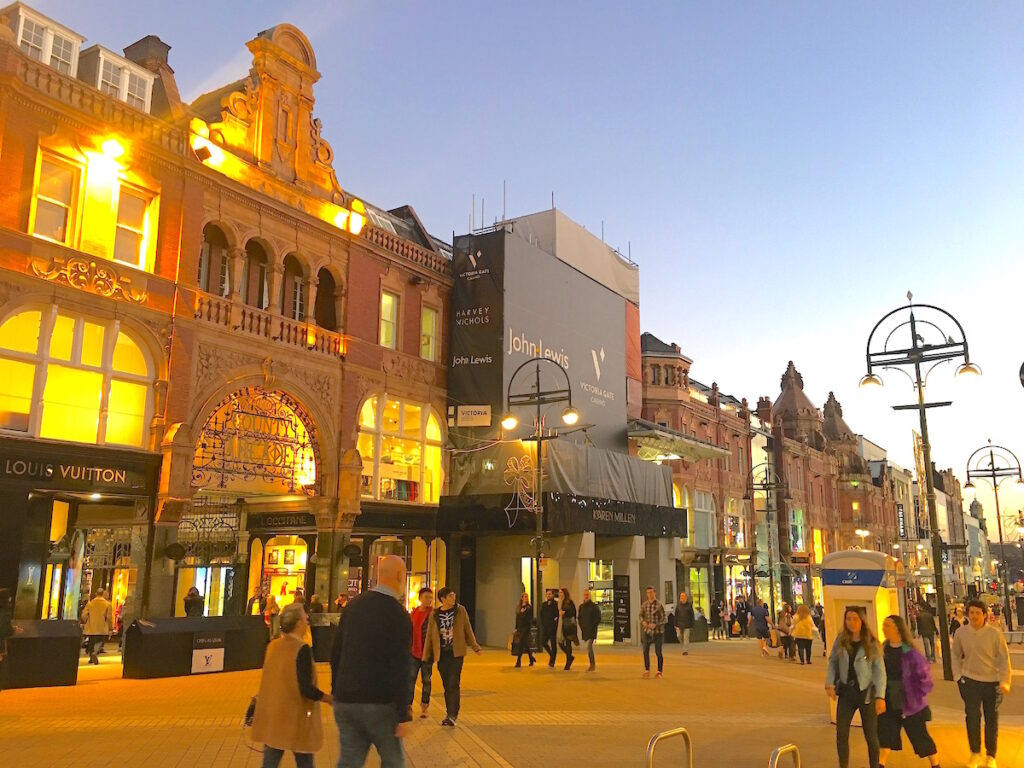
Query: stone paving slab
[[737, 705]]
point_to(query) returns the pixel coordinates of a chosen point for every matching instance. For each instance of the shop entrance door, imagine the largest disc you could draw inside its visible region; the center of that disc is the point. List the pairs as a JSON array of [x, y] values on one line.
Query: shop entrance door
[[600, 580]]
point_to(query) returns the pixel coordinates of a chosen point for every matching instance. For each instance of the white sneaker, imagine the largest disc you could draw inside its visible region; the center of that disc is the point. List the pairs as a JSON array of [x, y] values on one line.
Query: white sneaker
[[974, 760], [991, 762]]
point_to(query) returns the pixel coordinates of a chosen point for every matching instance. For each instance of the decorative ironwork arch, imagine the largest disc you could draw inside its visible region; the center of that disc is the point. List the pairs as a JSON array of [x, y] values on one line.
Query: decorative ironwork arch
[[259, 437]]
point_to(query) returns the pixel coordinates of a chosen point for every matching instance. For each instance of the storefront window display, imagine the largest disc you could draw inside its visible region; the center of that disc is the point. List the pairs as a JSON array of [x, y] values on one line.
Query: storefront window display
[[400, 443], [699, 592], [796, 531], [68, 377], [600, 580], [733, 533]]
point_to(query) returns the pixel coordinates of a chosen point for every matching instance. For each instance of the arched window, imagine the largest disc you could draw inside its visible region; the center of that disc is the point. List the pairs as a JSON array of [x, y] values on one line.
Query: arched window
[[255, 290], [293, 293], [400, 442], [325, 311], [214, 265], [67, 377]]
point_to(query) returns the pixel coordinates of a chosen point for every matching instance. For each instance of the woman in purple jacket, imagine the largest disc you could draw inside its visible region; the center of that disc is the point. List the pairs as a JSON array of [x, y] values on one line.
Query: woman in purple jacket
[[908, 681]]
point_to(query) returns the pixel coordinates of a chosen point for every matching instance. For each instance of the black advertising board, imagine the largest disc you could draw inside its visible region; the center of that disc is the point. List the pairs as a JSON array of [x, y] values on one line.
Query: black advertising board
[[620, 619], [477, 320]]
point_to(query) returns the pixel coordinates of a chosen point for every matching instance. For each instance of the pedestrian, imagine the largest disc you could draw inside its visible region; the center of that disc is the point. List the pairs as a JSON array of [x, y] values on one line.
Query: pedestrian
[[728, 617], [995, 618], [424, 670], [568, 628], [97, 624], [715, 621], [818, 614], [524, 625], [341, 601], [316, 605], [287, 714], [652, 630], [927, 628], [298, 598], [956, 620], [448, 636], [742, 611], [370, 671], [981, 667], [760, 622], [258, 602], [907, 683], [803, 633], [590, 620], [856, 677], [272, 617], [195, 603], [549, 626], [684, 621], [784, 626]]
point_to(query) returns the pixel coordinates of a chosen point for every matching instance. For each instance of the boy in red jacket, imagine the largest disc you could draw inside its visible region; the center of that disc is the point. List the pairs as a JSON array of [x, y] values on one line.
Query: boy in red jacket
[[418, 667]]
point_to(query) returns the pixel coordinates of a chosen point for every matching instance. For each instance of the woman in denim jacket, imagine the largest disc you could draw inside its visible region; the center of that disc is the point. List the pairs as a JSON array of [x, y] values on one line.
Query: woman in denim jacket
[[908, 681], [856, 677]]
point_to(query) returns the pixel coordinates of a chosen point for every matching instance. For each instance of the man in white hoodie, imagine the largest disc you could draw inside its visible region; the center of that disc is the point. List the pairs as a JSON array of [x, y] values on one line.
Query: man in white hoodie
[[981, 667]]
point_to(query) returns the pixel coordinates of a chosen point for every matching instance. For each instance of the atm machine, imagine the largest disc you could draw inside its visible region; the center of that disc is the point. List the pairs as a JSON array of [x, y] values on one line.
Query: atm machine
[[869, 580]]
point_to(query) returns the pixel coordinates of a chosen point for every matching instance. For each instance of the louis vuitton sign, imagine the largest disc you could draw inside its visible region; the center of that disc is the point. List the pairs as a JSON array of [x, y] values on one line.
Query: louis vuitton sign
[[69, 475]]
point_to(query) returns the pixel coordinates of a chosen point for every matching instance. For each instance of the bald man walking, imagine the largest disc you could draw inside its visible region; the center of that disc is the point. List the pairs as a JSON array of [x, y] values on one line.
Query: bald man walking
[[370, 671]]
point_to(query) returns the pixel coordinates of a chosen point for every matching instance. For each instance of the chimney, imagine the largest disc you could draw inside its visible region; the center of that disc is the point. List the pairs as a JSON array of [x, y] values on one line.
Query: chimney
[[764, 411], [151, 53]]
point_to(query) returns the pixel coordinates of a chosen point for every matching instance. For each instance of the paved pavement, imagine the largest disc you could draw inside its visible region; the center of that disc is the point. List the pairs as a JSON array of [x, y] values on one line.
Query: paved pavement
[[737, 706]]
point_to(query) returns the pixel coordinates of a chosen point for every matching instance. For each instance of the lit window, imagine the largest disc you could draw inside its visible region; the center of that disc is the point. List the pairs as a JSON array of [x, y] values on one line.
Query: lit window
[[137, 91], [388, 319], [90, 391], [32, 35], [110, 78], [401, 456], [131, 227], [428, 334], [53, 201], [298, 298], [61, 54]]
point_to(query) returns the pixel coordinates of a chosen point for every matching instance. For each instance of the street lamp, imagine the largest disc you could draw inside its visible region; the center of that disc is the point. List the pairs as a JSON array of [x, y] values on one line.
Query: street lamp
[[929, 346], [539, 398], [994, 463], [769, 482]]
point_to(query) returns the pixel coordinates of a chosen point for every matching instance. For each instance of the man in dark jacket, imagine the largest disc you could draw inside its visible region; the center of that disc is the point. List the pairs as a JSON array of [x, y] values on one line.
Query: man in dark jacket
[[549, 626], [926, 629], [742, 615], [589, 618], [684, 621], [370, 671]]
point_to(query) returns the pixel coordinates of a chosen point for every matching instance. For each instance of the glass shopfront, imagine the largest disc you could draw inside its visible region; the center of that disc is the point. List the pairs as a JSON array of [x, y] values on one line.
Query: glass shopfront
[[400, 442], [600, 581]]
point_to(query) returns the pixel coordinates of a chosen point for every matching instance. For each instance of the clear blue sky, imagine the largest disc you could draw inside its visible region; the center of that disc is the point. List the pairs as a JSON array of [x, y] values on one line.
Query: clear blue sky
[[783, 172]]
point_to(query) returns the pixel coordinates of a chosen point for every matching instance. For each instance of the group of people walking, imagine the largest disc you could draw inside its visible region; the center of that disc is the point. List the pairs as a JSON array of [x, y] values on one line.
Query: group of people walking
[[888, 684], [561, 626]]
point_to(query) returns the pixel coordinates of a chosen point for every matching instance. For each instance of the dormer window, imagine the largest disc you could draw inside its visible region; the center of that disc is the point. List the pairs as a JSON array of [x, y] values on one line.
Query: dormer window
[[45, 40], [117, 77]]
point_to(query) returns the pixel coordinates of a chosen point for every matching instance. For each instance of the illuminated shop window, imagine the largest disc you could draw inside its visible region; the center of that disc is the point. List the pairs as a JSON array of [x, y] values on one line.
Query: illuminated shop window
[[400, 443], [65, 377], [428, 334], [108, 215], [388, 319], [733, 526]]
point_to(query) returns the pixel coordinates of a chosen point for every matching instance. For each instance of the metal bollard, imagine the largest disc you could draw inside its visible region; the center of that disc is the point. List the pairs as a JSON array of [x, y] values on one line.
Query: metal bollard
[[666, 735], [786, 748]]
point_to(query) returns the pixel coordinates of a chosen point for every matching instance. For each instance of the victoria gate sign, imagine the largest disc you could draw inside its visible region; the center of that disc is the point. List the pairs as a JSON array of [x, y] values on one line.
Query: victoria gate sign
[[257, 440]]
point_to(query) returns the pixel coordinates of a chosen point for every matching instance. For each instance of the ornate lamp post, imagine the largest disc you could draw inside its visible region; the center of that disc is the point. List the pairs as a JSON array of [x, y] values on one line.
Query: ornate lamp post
[[995, 463], [765, 479], [539, 398], [929, 346]]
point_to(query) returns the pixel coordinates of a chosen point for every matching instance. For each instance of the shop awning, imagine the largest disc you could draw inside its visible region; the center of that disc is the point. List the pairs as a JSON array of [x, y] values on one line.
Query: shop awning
[[658, 443]]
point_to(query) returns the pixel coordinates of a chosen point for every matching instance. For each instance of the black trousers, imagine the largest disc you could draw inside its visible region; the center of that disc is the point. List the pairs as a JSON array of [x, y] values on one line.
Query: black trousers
[[450, 668], [550, 644], [523, 646], [803, 648], [979, 696], [869, 719]]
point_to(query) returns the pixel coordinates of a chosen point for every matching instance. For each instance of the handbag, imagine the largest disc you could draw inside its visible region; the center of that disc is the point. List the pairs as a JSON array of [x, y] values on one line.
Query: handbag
[[513, 642], [250, 713]]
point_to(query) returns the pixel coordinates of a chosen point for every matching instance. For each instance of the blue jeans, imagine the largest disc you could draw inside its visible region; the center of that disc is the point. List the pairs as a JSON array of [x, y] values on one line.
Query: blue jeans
[[929, 646], [272, 758], [657, 639], [359, 726], [424, 671]]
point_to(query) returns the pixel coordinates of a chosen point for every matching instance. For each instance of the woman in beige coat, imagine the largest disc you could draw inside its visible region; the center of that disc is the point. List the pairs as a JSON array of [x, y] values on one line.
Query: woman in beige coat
[[97, 624], [287, 708]]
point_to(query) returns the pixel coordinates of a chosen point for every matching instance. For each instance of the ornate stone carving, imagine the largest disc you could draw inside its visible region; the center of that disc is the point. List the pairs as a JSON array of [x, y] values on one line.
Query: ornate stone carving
[[408, 368], [211, 360], [90, 275]]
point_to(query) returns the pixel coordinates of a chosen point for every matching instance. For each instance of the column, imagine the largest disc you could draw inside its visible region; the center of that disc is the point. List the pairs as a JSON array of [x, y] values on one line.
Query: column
[[312, 284], [274, 286]]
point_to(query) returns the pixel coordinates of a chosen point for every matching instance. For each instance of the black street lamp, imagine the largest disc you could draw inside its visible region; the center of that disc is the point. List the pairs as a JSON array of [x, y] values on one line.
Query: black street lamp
[[765, 479], [929, 346], [995, 463], [539, 398]]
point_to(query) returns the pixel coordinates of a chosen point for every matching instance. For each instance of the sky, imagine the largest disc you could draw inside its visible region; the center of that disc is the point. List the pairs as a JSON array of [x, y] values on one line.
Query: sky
[[782, 173]]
